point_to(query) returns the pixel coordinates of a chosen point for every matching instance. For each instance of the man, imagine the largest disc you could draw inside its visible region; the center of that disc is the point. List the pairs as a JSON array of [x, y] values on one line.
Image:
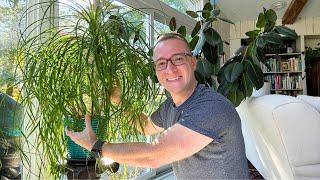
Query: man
[[200, 130]]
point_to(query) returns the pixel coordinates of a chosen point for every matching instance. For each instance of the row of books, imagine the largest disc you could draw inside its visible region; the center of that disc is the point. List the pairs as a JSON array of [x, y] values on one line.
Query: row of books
[[293, 64], [289, 93], [285, 81]]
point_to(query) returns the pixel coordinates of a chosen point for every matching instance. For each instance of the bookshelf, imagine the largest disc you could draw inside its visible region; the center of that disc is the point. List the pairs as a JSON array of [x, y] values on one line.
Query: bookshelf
[[286, 74]]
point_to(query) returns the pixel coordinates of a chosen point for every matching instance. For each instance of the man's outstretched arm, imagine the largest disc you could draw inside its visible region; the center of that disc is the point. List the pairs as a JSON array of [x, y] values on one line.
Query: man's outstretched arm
[[176, 143]]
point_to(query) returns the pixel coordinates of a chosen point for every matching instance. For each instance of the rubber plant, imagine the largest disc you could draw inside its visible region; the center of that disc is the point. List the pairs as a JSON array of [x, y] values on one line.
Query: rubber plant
[[70, 70], [242, 72]]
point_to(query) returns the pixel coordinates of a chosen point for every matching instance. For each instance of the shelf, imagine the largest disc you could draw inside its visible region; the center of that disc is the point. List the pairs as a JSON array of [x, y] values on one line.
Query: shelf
[[286, 89], [289, 72], [283, 54]]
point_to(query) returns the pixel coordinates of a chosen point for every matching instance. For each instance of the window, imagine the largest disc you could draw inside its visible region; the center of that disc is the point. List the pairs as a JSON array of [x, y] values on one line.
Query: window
[[10, 17], [181, 6], [154, 15]]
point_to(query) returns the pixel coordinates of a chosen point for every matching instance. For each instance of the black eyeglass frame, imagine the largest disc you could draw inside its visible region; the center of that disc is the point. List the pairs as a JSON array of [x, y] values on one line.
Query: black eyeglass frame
[[172, 62]]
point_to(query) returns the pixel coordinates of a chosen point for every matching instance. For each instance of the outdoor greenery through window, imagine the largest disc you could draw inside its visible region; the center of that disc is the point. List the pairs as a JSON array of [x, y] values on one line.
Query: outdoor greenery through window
[[10, 16], [11, 12]]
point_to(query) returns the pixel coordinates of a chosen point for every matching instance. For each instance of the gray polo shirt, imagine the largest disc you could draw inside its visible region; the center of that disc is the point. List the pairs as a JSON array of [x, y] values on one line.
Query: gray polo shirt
[[211, 114]]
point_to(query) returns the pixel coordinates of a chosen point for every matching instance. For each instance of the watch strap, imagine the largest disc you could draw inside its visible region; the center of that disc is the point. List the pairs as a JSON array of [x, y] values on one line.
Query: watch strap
[[97, 149]]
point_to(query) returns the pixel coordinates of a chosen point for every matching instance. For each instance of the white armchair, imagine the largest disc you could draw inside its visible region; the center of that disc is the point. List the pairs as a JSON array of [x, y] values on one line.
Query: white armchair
[[282, 135]]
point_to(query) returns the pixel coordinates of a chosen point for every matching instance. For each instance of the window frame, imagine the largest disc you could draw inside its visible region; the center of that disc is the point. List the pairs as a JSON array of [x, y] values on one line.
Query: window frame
[[157, 11]]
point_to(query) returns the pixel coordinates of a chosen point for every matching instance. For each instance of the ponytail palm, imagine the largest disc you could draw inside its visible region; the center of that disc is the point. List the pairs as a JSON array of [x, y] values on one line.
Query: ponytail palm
[[72, 69]]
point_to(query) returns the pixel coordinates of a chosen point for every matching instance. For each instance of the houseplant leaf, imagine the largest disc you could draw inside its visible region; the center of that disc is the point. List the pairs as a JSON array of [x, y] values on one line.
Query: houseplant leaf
[[235, 97], [205, 68], [255, 73], [233, 71], [212, 36], [287, 32], [196, 29], [192, 14], [272, 37], [207, 10], [270, 16], [194, 42], [261, 21], [173, 24], [210, 52], [246, 85], [182, 30], [261, 42]]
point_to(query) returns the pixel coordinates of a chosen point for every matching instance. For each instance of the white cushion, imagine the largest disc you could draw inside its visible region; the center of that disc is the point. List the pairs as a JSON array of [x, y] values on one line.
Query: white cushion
[[311, 100]]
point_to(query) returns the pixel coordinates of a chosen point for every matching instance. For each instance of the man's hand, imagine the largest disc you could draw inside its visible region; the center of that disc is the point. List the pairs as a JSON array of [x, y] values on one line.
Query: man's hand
[[87, 138]]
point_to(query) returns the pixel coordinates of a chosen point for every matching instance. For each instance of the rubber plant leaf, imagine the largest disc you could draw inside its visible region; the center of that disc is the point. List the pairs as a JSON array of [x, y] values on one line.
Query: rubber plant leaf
[[212, 36], [182, 30], [192, 14], [173, 24], [196, 29], [206, 10], [287, 32]]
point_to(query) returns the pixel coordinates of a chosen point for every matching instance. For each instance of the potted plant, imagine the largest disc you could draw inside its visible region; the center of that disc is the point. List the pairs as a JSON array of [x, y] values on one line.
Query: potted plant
[[70, 70], [241, 73], [10, 136]]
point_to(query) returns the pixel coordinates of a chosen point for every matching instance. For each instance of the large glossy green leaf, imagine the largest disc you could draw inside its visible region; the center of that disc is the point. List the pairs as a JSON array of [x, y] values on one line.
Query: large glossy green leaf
[[192, 14], [193, 42], [205, 68], [287, 32], [233, 71], [220, 48], [221, 76], [212, 36], [207, 10], [182, 30], [196, 29], [210, 52], [252, 34], [173, 24], [252, 48], [235, 97], [255, 73], [199, 77], [272, 37], [246, 85], [261, 21], [225, 20], [269, 26], [270, 15], [260, 55], [224, 87], [260, 42]]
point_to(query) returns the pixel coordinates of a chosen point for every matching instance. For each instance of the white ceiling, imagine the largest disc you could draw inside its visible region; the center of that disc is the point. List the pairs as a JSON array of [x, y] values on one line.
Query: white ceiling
[[237, 10]]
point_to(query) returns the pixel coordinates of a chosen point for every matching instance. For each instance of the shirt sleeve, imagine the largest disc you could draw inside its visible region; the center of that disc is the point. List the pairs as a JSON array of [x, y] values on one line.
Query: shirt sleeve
[[156, 118]]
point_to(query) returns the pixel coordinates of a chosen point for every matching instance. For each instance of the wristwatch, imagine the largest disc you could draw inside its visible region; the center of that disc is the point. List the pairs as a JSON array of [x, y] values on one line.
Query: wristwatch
[[97, 149]]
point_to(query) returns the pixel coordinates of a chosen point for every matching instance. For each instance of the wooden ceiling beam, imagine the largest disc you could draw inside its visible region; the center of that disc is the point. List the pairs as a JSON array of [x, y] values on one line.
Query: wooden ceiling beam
[[293, 11]]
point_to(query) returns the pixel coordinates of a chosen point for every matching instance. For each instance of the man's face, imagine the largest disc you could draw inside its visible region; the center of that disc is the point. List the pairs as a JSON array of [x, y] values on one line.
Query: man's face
[[175, 79]]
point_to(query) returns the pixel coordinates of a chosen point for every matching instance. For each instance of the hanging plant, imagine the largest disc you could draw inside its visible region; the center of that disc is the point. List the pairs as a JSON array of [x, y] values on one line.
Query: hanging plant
[[70, 70]]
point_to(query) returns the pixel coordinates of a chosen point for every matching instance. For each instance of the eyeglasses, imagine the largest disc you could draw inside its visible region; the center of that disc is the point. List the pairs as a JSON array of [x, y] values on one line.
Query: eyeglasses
[[176, 59]]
